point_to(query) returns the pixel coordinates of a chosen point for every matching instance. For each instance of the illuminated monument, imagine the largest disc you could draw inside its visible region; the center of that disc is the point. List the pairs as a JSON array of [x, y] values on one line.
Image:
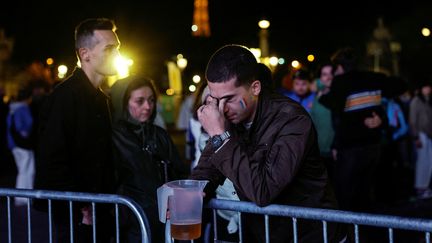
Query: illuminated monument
[[201, 25]]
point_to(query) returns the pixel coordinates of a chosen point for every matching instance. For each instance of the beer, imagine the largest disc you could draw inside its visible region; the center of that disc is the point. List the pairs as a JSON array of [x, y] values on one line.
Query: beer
[[185, 231]]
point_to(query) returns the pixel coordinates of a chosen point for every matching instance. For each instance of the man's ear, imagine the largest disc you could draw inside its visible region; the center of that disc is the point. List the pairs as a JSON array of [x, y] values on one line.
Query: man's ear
[[256, 87], [84, 54]]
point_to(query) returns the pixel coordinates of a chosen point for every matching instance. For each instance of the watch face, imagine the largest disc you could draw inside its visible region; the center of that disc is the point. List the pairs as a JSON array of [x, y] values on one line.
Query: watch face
[[216, 141]]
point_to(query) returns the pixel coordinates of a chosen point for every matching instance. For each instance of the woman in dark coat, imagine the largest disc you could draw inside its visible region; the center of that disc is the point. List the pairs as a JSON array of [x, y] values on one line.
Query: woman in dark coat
[[145, 155]]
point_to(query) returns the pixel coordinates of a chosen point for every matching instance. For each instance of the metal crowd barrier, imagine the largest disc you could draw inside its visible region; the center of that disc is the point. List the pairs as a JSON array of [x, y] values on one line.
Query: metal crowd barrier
[[323, 215], [71, 197]]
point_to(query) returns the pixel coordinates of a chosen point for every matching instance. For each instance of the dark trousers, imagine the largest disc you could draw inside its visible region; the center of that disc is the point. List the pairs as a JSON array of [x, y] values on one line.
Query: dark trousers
[[105, 226], [354, 177]]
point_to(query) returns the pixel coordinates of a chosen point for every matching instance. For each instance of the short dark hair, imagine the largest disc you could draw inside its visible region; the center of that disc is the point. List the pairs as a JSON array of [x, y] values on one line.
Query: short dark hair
[[302, 74], [84, 31], [233, 61], [346, 57]]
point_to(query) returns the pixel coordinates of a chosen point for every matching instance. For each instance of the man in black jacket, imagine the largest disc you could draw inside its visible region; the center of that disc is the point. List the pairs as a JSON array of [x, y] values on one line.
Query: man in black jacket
[[74, 147], [358, 119]]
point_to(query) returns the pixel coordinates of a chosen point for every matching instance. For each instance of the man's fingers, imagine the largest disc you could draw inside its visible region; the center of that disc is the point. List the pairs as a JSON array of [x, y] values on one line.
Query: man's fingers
[[211, 101], [222, 103]]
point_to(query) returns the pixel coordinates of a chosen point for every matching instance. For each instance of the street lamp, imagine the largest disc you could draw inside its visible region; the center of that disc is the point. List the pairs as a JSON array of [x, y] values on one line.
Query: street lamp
[[425, 32], [263, 37], [181, 62]]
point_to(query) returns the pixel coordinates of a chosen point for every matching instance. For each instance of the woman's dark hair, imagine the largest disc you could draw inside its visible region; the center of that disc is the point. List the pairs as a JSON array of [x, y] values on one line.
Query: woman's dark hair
[[198, 99], [136, 82]]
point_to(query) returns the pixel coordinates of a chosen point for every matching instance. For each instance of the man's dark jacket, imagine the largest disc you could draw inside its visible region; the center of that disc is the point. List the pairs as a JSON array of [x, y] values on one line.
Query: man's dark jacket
[[275, 162], [74, 147]]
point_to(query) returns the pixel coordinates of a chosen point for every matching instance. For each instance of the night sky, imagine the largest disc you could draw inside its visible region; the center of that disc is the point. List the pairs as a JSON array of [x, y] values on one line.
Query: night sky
[[152, 32]]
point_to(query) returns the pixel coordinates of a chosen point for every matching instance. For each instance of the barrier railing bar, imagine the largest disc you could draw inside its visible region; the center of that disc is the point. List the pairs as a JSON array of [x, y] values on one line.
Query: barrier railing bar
[[325, 231], [390, 232], [267, 228], [356, 233], [387, 221], [71, 225], [29, 233], [117, 223], [295, 229], [94, 221], [9, 220], [50, 225], [240, 228], [80, 197], [215, 225]]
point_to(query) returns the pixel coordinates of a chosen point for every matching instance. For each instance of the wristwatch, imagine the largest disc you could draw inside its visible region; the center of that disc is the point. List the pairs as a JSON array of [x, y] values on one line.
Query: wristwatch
[[218, 140]]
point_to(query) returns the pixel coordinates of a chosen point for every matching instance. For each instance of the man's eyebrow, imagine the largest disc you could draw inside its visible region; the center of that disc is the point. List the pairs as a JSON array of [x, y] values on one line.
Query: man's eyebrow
[[223, 97]]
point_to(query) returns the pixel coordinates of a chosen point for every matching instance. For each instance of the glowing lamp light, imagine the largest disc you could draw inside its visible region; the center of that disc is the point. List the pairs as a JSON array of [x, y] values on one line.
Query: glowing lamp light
[[264, 24], [273, 61], [295, 64], [62, 71], [192, 88], [256, 52], [181, 61], [169, 91], [426, 32], [281, 61], [196, 79], [122, 65], [49, 61]]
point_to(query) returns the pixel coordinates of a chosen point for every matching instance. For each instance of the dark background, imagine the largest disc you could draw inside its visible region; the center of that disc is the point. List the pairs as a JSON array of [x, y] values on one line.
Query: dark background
[[152, 32]]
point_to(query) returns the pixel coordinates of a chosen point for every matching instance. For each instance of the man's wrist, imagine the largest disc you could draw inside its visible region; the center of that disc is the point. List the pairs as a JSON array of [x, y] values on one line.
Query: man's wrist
[[218, 140]]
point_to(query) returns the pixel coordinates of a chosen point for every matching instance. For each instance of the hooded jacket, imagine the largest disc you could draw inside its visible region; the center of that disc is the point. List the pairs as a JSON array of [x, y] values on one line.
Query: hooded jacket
[[141, 151]]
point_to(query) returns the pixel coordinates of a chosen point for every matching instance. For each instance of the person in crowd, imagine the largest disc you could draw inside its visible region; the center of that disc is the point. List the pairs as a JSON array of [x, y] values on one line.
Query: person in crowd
[[420, 119], [322, 116], [145, 155], [395, 132], [7, 163], [182, 124], [301, 91], [19, 137], [355, 98], [195, 133], [265, 144], [39, 91], [75, 145], [406, 146]]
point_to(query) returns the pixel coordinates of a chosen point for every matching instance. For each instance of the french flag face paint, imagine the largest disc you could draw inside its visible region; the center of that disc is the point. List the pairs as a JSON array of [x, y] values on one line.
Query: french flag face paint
[[243, 103]]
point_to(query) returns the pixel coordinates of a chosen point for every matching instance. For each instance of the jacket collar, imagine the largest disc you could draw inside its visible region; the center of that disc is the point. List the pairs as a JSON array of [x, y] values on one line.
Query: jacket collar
[[85, 82]]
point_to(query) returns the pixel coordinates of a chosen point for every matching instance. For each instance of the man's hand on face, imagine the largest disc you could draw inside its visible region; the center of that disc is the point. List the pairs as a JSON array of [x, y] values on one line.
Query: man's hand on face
[[211, 116]]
